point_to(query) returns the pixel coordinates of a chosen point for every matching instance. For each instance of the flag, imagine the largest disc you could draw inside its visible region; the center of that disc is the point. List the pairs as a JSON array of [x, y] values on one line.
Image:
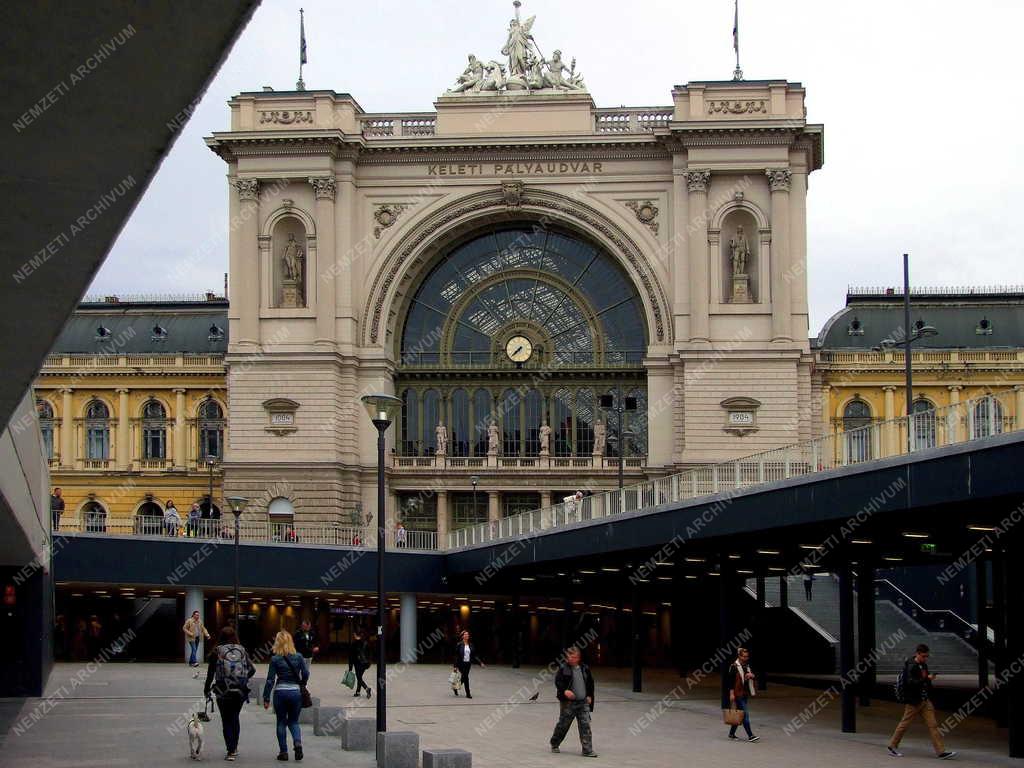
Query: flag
[[302, 38], [735, 29]]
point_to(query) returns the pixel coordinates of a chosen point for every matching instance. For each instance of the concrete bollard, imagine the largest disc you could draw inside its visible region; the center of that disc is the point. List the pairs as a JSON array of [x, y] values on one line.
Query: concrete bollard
[[306, 715], [327, 720], [447, 758], [357, 733], [398, 749]]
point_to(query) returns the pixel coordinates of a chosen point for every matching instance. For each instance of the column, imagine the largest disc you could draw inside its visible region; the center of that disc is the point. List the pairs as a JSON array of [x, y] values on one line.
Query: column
[[956, 416], [778, 182], [442, 519], [1014, 650], [194, 602], [347, 250], [999, 621], [680, 245], [891, 430], [322, 284], [866, 631], [697, 185], [124, 442], [846, 649], [783, 592], [826, 409], [636, 630], [180, 460], [981, 609], [1018, 419], [726, 583], [493, 506], [246, 295], [407, 628], [67, 430]]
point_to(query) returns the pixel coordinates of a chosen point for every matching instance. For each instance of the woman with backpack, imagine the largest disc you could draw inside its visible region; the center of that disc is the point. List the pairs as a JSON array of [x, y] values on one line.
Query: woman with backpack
[[227, 678], [291, 673], [359, 659]]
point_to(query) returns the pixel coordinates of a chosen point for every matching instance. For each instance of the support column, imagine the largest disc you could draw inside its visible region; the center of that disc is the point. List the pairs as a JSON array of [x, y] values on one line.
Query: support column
[[999, 621], [67, 430], [846, 647], [194, 602], [407, 628], [246, 295], [697, 185], [866, 632], [322, 284], [1014, 573], [726, 583], [567, 638], [826, 410], [955, 416], [783, 592], [1018, 420], [442, 519], [180, 459], [493, 506], [517, 633], [636, 630], [889, 414], [782, 310], [680, 245], [981, 601], [124, 442]]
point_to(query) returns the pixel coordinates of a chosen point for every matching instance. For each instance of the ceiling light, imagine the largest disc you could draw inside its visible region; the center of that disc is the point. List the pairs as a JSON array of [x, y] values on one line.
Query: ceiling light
[[694, 559], [768, 552], [734, 557], [893, 559], [589, 573], [912, 535], [611, 570], [861, 541], [662, 563], [811, 546], [982, 528]]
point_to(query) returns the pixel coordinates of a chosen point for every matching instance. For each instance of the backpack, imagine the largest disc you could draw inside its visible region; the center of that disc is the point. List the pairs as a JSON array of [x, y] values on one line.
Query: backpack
[[232, 673], [900, 689]]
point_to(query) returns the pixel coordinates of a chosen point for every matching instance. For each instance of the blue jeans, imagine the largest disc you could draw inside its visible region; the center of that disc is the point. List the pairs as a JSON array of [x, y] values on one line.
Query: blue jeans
[[741, 703], [287, 707], [193, 647]]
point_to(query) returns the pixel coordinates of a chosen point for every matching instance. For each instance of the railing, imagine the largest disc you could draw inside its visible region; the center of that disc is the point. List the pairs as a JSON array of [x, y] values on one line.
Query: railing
[[132, 361], [267, 531], [387, 126], [932, 619], [888, 358], [969, 420], [488, 359], [936, 290], [632, 120], [517, 462]]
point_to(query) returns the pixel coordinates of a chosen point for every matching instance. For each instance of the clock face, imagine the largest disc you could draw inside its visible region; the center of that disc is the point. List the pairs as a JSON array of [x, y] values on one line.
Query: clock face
[[519, 349]]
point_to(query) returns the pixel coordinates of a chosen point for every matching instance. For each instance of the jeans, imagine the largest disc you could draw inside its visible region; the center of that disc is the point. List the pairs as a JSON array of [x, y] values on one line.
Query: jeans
[[193, 648], [580, 712], [741, 703], [230, 704], [288, 707]]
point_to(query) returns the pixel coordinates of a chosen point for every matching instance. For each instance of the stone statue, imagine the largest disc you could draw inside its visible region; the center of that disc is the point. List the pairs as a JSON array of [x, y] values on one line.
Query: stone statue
[[492, 439], [517, 47], [555, 69], [600, 438], [739, 252], [494, 76], [441, 436], [545, 439], [471, 77], [291, 259]]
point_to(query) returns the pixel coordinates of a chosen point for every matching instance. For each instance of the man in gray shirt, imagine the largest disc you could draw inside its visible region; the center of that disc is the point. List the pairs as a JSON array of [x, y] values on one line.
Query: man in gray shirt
[[575, 688]]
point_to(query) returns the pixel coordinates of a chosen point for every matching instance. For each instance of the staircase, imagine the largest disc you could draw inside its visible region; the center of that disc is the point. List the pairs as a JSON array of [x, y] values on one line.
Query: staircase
[[950, 653]]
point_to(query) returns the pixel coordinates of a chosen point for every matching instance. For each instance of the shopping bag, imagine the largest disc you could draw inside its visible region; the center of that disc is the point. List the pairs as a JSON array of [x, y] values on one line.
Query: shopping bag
[[349, 679], [732, 716]]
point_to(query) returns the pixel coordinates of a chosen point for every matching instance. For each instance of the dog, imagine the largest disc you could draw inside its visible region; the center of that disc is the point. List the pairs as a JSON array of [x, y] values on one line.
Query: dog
[[195, 736]]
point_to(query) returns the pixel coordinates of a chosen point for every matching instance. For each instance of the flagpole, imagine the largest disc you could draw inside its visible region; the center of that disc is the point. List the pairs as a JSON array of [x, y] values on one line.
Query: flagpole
[[737, 73], [301, 86]]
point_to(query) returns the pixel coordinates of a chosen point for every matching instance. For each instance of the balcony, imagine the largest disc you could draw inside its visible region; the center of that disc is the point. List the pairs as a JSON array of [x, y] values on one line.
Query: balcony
[[553, 463]]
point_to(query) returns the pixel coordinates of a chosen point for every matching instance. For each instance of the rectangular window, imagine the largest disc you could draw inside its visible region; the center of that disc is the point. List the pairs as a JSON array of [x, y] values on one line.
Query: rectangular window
[[210, 443], [154, 443], [97, 443], [48, 442], [464, 513]]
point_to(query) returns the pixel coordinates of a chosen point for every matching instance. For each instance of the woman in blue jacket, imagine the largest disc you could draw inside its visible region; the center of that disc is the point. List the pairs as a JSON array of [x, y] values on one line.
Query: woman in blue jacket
[[290, 672]]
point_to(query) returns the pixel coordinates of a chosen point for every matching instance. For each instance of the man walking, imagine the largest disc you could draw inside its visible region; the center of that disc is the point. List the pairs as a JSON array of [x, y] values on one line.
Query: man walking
[[305, 644], [808, 584], [56, 507], [917, 687], [194, 633], [575, 689]]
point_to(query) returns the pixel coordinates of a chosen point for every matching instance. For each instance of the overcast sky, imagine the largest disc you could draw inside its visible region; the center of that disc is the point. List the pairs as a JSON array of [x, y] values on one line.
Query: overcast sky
[[920, 100]]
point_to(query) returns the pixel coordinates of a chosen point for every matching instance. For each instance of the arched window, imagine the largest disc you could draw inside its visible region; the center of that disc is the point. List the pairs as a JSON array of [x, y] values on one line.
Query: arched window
[[561, 422], [45, 411], [481, 420], [857, 430], [211, 430], [923, 417], [459, 428], [986, 417], [94, 517], [636, 424], [282, 519], [534, 407], [149, 519], [511, 424], [410, 422], [431, 418], [586, 415], [154, 431], [97, 431]]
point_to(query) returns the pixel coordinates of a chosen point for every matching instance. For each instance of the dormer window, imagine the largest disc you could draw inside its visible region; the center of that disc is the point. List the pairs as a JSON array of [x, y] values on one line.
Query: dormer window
[[159, 333], [855, 328], [216, 333], [102, 333], [984, 327]]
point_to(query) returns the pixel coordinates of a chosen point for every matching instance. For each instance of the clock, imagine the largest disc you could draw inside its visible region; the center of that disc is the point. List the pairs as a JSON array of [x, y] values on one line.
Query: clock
[[519, 349]]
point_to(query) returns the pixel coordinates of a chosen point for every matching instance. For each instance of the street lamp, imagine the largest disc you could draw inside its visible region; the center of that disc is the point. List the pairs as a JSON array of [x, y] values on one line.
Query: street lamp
[[475, 480], [210, 462], [619, 405], [237, 505], [382, 410]]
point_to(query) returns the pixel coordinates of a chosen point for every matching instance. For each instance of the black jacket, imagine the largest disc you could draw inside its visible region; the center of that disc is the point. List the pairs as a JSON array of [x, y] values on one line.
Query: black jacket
[[304, 642], [460, 655], [358, 656], [917, 686], [563, 682]]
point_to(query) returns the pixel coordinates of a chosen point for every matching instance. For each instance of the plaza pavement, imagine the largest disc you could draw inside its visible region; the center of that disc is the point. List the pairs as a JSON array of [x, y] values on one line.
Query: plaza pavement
[[125, 715]]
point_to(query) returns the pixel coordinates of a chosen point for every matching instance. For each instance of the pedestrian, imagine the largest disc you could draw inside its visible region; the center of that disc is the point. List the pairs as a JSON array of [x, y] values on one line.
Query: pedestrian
[[290, 673], [194, 633], [465, 655], [56, 507], [400, 534], [742, 688], [916, 697], [574, 686], [359, 660], [808, 585], [305, 643], [172, 520], [195, 514], [227, 679]]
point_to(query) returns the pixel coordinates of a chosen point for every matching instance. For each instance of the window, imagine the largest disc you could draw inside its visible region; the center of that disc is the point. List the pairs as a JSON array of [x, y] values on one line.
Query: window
[[857, 430], [459, 428], [282, 519], [97, 431], [154, 431], [94, 517], [923, 417], [481, 420], [418, 512], [986, 417], [45, 411], [468, 509], [410, 422], [511, 424], [211, 430], [517, 503], [431, 416]]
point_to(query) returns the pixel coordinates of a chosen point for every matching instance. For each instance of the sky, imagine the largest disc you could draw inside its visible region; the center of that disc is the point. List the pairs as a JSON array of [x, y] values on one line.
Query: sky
[[919, 99]]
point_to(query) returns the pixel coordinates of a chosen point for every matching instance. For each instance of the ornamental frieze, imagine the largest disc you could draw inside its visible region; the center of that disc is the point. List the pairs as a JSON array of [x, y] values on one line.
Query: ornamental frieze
[[738, 107], [646, 213], [387, 214], [286, 117]]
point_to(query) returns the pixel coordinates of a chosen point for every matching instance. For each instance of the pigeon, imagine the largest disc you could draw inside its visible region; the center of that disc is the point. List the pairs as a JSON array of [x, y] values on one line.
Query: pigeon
[[535, 696]]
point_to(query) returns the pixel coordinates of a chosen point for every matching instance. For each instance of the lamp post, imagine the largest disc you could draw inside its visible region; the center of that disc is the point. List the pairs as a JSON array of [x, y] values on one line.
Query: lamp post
[[382, 410], [210, 461], [619, 405], [237, 505], [475, 480]]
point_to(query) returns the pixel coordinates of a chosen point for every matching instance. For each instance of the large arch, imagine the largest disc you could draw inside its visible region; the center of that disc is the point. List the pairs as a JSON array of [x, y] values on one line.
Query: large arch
[[430, 238]]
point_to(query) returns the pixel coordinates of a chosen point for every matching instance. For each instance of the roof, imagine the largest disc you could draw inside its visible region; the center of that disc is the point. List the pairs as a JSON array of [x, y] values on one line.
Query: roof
[[989, 317], [132, 327]]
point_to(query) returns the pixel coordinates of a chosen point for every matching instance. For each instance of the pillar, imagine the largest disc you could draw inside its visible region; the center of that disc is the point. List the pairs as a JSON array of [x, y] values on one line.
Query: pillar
[[888, 415], [955, 416], [194, 602], [1018, 420], [778, 182], [442, 519], [762, 599], [124, 442], [846, 648], [783, 592], [999, 621], [725, 588], [567, 637], [180, 459], [636, 630], [981, 601], [246, 292], [517, 633], [697, 186], [866, 631], [1014, 574], [407, 628], [680, 258], [322, 284], [67, 430], [493, 506]]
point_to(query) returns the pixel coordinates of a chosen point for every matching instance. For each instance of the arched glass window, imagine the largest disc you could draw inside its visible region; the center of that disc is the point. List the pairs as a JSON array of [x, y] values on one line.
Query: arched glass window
[[923, 416], [459, 428], [586, 415], [45, 412], [561, 422], [636, 424], [410, 422], [94, 517], [481, 420], [533, 406], [154, 431], [282, 519], [511, 423], [211, 430], [97, 431], [986, 417], [857, 429], [431, 418]]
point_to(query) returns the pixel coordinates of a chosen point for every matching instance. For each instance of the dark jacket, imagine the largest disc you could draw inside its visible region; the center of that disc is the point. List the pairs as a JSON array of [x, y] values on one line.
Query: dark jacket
[[460, 655], [918, 685], [304, 642], [211, 674], [563, 682], [358, 654], [56, 503], [291, 670]]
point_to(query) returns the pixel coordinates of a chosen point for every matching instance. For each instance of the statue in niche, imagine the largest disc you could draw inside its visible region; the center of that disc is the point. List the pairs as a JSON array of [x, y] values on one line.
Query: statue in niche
[[545, 439], [292, 258], [739, 258], [441, 437], [600, 437], [492, 439]]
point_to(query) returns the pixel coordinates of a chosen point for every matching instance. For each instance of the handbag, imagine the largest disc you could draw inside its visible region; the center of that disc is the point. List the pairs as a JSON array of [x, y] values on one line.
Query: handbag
[[455, 680], [349, 679], [307, 700], [732, 716]]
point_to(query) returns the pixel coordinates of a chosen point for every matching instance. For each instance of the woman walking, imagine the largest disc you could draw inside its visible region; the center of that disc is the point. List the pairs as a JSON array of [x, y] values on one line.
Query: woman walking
[[227, 678], [290, 673], [742, 686], [359, 660]]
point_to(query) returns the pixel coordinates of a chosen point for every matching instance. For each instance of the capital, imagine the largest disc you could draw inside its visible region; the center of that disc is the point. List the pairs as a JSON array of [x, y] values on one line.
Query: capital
[[248, 189], [779, 179], [889, 388], [954, 387], [324, 187], [697, 181]]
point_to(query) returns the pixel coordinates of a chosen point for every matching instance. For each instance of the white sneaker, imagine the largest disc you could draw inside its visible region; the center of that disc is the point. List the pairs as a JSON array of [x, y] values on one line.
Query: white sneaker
[[894, 752]]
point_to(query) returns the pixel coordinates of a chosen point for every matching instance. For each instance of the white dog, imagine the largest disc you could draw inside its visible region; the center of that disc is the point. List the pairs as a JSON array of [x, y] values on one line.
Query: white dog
[[195, 737]]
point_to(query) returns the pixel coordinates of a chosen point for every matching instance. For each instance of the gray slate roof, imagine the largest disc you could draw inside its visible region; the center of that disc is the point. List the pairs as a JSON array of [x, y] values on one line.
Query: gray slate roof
[[188, 326]]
